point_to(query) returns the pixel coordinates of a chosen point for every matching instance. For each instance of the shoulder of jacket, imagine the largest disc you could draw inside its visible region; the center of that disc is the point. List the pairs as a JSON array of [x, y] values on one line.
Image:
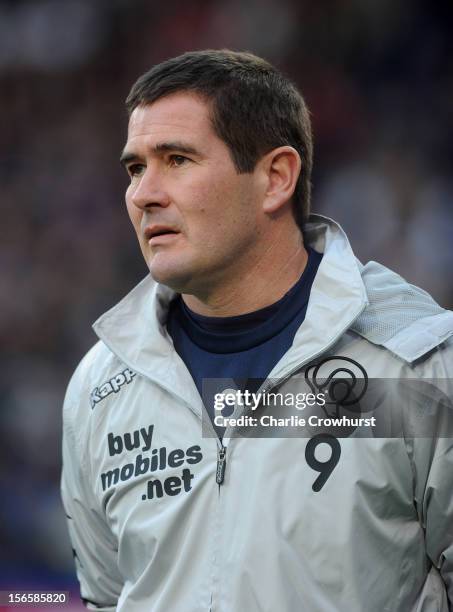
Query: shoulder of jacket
[[401, 317], [98, 366]]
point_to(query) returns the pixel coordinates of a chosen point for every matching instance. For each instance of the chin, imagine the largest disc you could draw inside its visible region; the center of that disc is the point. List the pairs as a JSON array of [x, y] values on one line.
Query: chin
[[174, 277]]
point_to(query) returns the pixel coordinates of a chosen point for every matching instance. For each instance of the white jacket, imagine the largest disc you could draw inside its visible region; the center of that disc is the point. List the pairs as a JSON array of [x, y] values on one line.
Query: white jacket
[[154, 532]]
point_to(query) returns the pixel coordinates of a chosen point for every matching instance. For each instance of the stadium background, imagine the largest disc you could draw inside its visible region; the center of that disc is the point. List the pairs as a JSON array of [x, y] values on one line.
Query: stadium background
[[378, 78]]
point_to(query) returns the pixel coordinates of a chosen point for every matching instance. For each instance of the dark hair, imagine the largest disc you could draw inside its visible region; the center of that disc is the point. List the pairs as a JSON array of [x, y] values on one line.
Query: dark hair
[[254, 107]]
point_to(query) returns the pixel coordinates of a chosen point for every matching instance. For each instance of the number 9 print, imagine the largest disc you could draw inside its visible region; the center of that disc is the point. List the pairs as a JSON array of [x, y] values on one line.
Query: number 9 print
[[325, 468]]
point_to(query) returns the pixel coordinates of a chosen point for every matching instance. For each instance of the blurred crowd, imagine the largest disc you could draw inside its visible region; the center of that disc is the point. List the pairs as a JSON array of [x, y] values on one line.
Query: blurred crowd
[[378, 78]]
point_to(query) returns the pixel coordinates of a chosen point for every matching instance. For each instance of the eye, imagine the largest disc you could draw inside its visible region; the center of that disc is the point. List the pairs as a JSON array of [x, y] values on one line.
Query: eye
[[135, 170], [178, 160]]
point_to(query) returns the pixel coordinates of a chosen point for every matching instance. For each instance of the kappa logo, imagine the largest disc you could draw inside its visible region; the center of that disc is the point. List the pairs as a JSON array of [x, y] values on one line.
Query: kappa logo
[[111, 386]]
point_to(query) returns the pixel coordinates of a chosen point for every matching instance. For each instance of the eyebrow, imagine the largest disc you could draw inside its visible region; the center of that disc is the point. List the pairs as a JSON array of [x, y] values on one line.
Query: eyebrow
[[161, 147]]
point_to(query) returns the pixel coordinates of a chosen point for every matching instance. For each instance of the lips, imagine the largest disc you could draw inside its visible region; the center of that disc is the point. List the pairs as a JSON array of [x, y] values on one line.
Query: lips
[[160, 235], [153, 231]]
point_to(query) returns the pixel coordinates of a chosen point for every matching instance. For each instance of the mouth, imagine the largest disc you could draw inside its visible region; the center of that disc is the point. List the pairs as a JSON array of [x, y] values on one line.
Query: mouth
[[155, 234]]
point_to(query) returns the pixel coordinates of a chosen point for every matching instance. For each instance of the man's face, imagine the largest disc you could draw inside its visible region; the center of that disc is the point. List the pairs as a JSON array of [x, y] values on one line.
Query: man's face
[[197, 219]]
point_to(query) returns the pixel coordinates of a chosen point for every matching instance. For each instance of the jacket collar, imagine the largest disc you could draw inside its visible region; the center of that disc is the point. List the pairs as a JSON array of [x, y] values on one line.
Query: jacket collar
[[337, 297], [135, 329]]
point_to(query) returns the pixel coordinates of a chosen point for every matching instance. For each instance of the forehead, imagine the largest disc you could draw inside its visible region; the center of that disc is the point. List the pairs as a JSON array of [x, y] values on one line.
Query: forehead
[[176, 116]]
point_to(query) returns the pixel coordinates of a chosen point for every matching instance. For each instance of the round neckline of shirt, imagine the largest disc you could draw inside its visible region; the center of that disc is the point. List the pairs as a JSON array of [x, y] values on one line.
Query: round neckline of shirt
[[234, 334]]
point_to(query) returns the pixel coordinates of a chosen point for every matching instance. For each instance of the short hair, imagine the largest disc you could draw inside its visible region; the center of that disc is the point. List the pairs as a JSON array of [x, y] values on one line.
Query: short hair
[[254, 108]]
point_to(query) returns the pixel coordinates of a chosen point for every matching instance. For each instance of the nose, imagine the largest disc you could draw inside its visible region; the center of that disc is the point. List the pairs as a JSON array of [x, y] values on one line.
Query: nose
[[149, 190]]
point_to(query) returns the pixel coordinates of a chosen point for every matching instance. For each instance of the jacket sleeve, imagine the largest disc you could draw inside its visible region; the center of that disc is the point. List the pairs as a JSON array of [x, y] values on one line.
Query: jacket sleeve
[[94, 547], [437, 512], [433, 480]]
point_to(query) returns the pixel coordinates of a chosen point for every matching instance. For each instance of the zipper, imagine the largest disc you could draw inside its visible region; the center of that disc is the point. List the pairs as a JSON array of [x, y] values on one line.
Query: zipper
[[219, 477], [221, 464]]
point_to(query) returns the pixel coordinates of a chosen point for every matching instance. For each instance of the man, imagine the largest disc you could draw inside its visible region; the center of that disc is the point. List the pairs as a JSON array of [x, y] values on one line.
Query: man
[[243, 286]]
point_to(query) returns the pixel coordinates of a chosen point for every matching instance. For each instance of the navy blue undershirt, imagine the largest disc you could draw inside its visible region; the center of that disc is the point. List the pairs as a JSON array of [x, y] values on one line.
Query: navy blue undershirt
[[239, 348]]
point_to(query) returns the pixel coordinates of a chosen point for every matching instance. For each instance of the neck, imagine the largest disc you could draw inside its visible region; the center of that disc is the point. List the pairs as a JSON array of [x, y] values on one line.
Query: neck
[[260, 284]]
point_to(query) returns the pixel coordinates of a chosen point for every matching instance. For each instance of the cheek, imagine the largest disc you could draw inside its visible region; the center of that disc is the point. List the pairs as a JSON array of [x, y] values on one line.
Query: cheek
[[135, 214], [212, 206]]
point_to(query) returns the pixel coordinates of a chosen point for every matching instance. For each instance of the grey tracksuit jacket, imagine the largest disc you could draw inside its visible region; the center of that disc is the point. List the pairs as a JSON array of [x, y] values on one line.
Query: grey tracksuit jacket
[[152, 529]]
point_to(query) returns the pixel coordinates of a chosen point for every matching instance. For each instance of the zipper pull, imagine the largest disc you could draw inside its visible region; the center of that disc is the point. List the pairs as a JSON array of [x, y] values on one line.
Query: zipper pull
[[221, 463]]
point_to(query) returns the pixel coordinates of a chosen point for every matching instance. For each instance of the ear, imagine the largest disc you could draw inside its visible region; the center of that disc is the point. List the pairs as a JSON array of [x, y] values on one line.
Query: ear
[[282, 168]]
